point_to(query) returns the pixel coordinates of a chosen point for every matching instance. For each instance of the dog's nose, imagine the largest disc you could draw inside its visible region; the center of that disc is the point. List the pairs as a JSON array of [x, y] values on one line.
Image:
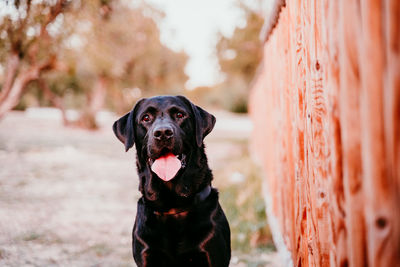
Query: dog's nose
[[163, 132]]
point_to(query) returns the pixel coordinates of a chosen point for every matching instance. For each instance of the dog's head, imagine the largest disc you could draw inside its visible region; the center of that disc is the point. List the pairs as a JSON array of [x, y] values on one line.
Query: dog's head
[[168, 132]]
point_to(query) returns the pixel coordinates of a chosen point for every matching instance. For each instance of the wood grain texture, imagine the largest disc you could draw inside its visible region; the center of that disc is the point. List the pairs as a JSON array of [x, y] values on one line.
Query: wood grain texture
[[326, 112]]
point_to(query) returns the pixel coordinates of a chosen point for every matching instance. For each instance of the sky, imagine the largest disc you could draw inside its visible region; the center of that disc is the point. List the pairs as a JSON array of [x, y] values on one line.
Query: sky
[[193, 26]]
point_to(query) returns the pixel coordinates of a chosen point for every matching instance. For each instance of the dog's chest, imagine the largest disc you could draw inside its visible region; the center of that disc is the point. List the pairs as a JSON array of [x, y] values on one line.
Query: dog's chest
[[175, 224]]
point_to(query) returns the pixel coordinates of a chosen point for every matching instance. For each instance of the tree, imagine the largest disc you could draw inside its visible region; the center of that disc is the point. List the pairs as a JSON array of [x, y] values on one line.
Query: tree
[[239, 57], [121, 51], [26, 46], [103, 50]]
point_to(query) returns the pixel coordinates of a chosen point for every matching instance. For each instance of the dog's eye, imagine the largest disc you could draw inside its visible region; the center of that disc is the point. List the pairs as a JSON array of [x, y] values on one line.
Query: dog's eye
[[146, 118], [179, 115]]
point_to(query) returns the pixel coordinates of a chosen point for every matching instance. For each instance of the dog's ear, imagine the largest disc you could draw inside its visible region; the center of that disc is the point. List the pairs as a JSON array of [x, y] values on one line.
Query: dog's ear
[[124, 128], [204, 121]]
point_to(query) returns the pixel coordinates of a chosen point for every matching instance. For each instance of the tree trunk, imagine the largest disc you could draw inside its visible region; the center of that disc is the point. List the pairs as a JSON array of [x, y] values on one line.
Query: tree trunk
[[14, 94], [54, 99], [96, 99], [11, 71]]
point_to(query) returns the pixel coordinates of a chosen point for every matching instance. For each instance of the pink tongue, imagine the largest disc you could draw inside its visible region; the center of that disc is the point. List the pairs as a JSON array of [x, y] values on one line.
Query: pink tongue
[[166, 166]]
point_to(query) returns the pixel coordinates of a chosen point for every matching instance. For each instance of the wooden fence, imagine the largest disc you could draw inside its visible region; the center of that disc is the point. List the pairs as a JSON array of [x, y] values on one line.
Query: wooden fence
[[326, 110]]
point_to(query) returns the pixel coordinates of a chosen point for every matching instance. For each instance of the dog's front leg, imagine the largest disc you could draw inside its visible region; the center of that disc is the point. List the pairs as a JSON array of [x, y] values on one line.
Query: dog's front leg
[[146, 248]]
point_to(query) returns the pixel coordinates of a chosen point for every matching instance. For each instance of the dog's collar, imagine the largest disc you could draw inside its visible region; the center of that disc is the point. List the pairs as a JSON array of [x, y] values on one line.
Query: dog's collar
[[201, 196]]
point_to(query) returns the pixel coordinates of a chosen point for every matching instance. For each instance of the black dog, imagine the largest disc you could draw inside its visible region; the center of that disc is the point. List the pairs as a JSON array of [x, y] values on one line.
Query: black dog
[[179, 221]]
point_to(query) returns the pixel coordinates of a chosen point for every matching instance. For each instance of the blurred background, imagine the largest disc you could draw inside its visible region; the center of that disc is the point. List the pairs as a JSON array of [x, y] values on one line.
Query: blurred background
[[308, 89], [68, 69], [104, 55]]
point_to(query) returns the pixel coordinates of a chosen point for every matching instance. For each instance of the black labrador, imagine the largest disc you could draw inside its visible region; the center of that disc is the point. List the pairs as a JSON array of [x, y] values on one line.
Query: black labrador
[[179, 221]]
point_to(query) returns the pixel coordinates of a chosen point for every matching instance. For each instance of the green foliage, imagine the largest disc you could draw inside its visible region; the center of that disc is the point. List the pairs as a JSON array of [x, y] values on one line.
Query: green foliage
[[239, 57], [110, 40], [242, 200], [125, 49], [24, 29]]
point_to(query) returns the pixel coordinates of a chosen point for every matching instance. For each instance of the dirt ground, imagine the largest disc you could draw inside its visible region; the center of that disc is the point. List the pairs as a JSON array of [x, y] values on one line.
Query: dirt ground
[[68, 196]]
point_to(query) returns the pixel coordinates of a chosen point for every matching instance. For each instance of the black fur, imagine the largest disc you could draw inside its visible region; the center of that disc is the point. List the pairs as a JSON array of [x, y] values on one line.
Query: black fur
[[179, 222]]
